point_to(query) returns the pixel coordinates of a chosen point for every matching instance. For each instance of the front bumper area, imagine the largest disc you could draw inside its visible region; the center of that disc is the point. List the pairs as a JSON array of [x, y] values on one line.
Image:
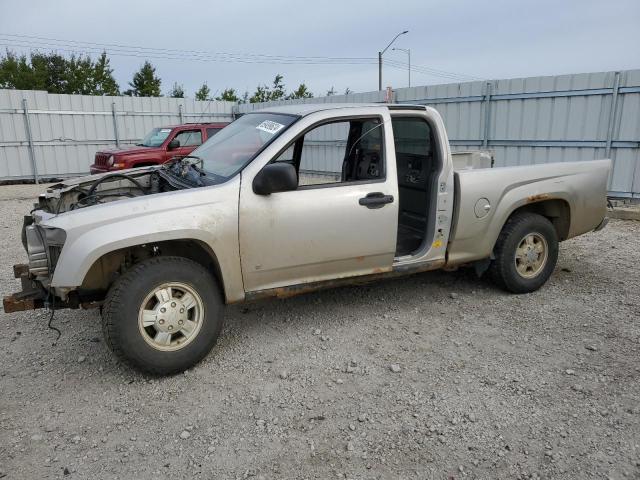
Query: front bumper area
[[30, 298], [94, 169], [34, 296]]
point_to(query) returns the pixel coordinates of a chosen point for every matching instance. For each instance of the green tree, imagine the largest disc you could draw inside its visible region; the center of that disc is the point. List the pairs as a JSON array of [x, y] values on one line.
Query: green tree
[[176, 91], [301, 92], [203, 92], [278, 88], [103, 81], [262, 94], [331, 92], [78, 78], [228, 95], [266, 94], [15, 72], [57, 74], [50, 72], [145, 83], [245, 97]]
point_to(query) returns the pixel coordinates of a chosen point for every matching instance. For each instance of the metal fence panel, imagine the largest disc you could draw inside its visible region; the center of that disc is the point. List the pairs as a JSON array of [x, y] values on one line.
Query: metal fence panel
[[524, 121], [534, 120], [67, 130]]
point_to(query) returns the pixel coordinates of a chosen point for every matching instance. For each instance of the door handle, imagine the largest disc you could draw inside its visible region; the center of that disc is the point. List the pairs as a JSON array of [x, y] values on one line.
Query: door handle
[[375, 200]]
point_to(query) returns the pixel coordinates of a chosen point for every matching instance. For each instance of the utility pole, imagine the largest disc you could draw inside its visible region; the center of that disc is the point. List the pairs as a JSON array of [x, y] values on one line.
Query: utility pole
[[380, 58], [408, 52], [379, 70]]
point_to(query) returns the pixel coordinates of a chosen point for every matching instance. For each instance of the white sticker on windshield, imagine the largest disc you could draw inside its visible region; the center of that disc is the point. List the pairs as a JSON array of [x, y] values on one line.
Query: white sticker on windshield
[[165, 130], [270, 127]]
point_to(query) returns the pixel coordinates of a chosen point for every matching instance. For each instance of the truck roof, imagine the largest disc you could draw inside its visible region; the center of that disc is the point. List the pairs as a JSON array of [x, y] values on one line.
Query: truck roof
[[197, 124], [303, 109]]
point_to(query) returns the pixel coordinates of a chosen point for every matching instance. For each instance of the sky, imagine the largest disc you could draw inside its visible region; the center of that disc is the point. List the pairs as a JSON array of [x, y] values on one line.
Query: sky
[[466, 39]]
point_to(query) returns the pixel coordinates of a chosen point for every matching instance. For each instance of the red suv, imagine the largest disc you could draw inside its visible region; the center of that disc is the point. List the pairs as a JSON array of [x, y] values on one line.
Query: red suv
[[158, 146]]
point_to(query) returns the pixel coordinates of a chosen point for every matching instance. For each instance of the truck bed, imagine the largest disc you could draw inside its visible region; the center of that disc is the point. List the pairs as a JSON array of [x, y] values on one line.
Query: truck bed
[[573, 189]]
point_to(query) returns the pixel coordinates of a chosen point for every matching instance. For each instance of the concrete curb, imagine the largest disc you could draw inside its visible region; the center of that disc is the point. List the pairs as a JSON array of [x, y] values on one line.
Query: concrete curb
[[625, 213]]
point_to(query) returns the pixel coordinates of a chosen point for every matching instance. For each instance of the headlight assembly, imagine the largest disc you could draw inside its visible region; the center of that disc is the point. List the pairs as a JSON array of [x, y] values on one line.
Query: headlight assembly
[[43, 248]]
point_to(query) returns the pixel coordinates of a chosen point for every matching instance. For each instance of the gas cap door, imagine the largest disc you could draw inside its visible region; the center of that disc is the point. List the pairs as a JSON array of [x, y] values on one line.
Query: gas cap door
[[482, 208]]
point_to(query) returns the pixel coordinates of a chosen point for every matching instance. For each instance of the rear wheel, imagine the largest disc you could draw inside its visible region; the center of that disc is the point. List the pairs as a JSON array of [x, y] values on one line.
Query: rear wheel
[[164, 315], [526, 253]]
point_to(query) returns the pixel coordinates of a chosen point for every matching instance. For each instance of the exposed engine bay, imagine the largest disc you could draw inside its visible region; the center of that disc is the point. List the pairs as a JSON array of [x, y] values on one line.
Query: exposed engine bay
[[177, 174]]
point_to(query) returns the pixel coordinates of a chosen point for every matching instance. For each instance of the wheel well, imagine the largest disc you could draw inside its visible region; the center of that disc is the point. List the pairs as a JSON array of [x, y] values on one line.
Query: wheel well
[[557, 211], [110, 266]]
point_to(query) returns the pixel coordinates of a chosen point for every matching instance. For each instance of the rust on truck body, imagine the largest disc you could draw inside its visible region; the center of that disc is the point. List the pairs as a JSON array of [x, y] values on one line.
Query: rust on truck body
[[375, 275], [538, 197]]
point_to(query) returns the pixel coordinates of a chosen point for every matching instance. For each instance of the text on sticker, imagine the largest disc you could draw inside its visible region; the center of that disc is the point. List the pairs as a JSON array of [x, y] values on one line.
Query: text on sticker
[[270, 126]]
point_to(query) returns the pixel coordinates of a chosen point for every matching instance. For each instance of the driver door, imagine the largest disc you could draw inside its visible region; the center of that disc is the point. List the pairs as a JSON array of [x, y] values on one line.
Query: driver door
[[340, 221]]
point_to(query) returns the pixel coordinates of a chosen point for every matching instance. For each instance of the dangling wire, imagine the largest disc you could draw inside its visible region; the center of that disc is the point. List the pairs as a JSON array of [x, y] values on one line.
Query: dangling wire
[[53, 311], [50, 295]]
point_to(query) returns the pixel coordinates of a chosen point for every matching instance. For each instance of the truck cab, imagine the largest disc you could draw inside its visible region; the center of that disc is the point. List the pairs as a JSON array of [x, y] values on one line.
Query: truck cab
[[158, 146]]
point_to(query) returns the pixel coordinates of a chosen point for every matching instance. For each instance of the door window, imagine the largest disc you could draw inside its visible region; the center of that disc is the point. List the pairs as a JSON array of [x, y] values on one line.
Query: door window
[[338, 153], [287, 155], [189, 138]]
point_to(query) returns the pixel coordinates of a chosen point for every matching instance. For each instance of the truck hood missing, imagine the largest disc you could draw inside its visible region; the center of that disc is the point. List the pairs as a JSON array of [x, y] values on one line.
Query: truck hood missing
[[92, 190]]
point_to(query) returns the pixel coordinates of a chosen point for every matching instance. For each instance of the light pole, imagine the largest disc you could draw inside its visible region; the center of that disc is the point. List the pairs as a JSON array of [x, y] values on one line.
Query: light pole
[[408, 52], [380, 58]]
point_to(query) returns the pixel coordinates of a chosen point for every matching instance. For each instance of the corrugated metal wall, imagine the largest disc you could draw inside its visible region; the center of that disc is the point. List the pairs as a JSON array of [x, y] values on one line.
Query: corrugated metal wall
[[524, 120], [535, 120], [66, 130]]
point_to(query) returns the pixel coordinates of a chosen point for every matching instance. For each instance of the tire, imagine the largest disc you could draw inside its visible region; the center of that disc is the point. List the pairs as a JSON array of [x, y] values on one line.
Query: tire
[[191, 300], [526, 253]]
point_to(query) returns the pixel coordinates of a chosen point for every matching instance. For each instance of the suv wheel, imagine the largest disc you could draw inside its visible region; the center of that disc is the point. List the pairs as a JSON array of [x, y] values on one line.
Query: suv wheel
[[526, 253], [164, 315]]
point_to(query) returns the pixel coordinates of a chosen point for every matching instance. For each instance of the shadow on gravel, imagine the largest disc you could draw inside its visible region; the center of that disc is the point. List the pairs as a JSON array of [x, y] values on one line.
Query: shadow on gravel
[[335, 304], [82, 335]]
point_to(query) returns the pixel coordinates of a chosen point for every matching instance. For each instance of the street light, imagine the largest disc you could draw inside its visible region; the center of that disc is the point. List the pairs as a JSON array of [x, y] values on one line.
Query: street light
[[380, 58], [408, 52]]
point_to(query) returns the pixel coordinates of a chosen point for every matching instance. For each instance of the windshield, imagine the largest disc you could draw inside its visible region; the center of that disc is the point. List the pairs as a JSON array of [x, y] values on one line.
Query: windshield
[[155, 137], [236, 144]]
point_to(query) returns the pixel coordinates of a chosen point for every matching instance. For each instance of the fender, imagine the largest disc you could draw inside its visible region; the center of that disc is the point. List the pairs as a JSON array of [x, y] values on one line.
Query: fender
[[208, 215]]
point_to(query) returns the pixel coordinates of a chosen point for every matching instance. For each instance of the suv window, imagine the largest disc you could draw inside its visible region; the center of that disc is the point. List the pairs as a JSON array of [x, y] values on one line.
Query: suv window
[[338, 152], [212, 131], [189, 138]]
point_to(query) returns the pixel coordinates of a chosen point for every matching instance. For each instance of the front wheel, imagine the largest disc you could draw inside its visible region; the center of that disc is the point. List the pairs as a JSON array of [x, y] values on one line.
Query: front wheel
[[526, 253], [164, 315]]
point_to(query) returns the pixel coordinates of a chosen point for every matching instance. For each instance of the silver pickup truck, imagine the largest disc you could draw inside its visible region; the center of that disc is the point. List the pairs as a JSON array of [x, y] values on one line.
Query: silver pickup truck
[[286, 201]]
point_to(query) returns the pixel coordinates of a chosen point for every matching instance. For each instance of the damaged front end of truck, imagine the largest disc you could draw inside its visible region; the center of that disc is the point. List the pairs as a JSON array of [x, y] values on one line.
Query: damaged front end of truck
[[43, 242]]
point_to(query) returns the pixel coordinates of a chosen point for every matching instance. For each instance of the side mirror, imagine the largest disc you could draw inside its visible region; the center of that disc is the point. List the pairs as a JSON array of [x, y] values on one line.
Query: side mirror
[[275, 177], [173, 144]]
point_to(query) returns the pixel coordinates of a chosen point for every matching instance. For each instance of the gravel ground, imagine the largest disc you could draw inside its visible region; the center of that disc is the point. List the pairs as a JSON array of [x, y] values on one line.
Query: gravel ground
[[437, 375]]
